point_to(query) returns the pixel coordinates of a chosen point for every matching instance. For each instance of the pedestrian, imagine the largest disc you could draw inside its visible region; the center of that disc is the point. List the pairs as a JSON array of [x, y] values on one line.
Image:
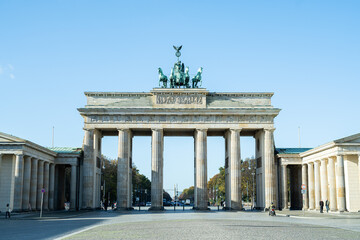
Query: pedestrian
[[327, 203], [321, 206], [105, 204], [8, 210]]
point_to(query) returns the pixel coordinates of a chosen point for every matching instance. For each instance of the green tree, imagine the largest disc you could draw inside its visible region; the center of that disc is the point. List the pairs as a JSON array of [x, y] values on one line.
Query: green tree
[[187, 193]]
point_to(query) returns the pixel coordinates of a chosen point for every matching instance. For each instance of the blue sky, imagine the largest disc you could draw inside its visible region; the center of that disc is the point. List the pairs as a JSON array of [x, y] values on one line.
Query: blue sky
[[306, 52]]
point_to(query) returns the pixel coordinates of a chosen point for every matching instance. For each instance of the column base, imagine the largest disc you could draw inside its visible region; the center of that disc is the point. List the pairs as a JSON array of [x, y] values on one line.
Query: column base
[[156, 209]]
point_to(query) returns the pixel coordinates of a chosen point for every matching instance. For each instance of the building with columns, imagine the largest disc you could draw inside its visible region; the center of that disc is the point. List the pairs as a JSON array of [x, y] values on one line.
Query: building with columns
[[26, 168], [195, 113], [329, 172]]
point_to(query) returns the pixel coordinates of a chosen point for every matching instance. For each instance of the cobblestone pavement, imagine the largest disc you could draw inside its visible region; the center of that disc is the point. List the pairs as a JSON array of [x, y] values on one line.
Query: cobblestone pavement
[[181, 224]]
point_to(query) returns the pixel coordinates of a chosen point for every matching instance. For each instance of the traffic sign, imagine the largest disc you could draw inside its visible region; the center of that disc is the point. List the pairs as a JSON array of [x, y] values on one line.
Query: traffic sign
[[303, 191], [43, 190], [303, 187]]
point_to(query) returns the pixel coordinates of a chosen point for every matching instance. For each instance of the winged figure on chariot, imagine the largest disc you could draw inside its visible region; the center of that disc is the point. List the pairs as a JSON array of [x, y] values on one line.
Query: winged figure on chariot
[[179, 75]]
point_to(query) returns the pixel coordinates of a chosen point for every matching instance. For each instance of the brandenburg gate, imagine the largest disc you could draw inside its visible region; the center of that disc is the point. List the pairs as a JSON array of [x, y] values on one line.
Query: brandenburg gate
[[176, 111], [179, 112]]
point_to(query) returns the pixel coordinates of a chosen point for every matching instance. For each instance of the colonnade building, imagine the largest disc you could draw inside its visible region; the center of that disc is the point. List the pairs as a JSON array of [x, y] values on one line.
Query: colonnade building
[[28, 170], [328, 172]]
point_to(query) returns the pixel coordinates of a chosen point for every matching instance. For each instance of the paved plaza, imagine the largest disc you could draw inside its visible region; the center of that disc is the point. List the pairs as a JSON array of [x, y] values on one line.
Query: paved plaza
[[181, 225]]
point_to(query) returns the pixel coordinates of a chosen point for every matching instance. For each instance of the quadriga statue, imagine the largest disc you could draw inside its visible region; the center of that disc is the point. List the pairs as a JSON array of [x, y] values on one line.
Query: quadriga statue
[[197, 78], [162, 78]]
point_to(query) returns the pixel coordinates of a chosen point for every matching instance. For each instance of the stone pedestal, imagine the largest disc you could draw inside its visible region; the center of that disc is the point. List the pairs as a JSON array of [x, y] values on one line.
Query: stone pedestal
[[340, 183], [157, 148]]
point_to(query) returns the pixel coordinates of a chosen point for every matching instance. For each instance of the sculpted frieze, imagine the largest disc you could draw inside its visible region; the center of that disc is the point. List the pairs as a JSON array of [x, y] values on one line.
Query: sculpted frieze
[[181, 119], [179, 99]]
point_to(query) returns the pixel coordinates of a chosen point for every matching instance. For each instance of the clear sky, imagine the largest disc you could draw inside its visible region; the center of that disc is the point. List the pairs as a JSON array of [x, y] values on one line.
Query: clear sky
[[306, 52]]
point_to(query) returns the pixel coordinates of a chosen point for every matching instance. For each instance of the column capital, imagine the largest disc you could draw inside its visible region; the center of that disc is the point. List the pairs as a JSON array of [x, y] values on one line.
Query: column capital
[[88, 129], [269, 129], [235, 129], [202, 129], [310, 163], [157, 129], [19, 154]]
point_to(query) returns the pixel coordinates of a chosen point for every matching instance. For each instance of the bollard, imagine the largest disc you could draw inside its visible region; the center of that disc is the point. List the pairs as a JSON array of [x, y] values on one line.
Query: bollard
[[183, 207], [174, 206], [139, 206], [218, 208]]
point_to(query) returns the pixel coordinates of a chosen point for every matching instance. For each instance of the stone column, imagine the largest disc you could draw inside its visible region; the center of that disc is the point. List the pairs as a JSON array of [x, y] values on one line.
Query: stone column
[[46, 186], [123, 170], [305, 182], [269, 168], [311, 186], [340, 183], [157, 148], [201, 169], [33, 184], [51, 186], [19, 170], [324, 181], [97, 165], [227, 170], [27, 181], [73, 187], [0, 159], [317, 185], [235, 170], [88, 170], [332, 183], [40, 184], [284, 186]]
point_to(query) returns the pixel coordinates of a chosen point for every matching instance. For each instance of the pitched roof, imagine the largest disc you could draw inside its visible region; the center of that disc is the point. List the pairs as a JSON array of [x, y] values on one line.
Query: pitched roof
[[65, 149], [290, 150]]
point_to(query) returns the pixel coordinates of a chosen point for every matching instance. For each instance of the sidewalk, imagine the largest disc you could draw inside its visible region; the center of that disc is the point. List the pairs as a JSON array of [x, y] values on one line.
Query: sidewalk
[[317, 214], [61, 214]]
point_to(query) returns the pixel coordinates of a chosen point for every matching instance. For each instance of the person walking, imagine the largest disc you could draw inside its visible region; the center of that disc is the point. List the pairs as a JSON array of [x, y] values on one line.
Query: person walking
[[8, 210], [105, 204], [321, 206], [327, 204]]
